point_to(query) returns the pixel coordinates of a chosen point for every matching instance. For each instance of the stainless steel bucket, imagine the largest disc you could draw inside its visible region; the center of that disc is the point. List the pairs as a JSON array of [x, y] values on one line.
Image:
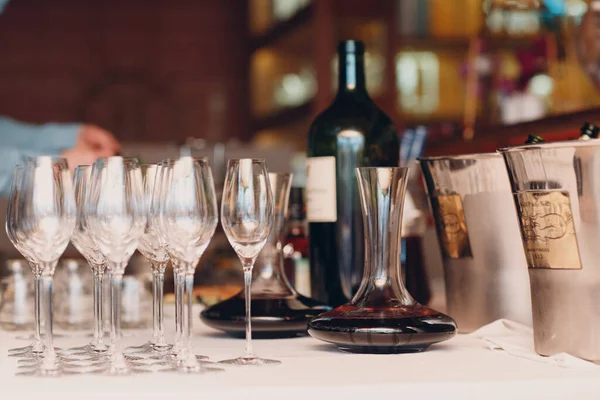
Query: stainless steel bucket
[[485, 271], [556, 189]]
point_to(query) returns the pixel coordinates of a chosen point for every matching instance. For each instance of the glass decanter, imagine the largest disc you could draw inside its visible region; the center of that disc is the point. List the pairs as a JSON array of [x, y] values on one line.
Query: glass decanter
[[382, 317], [277, 310]]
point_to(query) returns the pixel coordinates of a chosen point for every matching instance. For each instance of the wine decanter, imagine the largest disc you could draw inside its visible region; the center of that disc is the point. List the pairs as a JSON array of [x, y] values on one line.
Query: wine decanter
[[382, 317], [277, 309]]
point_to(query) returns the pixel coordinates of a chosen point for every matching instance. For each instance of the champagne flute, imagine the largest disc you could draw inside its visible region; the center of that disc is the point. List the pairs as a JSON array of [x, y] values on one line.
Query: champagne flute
[[83, 241], [36, 348], [117, 218], [247, 217], [187, 217], [45, 215], [154, 249]]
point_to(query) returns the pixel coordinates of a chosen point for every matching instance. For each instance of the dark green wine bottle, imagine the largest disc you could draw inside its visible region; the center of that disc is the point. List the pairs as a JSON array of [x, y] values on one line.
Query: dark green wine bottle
[[532, 139], [353, 132]]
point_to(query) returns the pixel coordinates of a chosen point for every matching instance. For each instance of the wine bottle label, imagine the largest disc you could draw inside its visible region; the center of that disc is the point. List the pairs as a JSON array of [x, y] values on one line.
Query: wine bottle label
[[321, 203], [547, 229], [451, 226]]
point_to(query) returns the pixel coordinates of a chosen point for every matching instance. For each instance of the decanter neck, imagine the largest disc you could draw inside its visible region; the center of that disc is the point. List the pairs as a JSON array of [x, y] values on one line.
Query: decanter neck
[[382, 192]]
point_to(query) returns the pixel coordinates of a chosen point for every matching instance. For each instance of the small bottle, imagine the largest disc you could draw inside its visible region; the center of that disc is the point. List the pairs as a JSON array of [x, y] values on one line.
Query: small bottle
[[297, 267], [533, 139], [588, 131]]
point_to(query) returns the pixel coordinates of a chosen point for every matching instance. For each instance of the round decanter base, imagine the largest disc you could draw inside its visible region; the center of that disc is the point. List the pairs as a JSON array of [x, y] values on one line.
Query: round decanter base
[[271, 317], [383, 349], [406, 329]]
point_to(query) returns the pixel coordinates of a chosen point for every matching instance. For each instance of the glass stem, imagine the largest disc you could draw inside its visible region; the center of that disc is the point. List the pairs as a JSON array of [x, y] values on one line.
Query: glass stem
[[115, 294], [178, 309], [49, 354], [155, 283], [189, 288], [160, 303], [247, 291], [158, 283], [38, 344], [107, 308], [98, 333]]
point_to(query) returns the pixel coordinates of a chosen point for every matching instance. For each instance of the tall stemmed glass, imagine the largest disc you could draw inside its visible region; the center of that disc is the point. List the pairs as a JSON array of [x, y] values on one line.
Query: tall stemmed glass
[[163, 175], [187, 217], [83, 241], [155, 250], [36, 348], [45, 219], [117, 219], [247, 217]]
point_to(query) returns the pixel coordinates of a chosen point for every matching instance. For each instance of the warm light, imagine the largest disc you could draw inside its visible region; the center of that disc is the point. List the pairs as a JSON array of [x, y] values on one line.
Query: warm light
[[541, 85], [417, 78]]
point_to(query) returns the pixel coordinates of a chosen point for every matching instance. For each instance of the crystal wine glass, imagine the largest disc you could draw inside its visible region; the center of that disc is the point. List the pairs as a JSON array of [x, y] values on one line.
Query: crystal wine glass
[[44, 220], [154, 249], [187, 218], [117, 218], [36, 348], [83, 241], [247, 217]]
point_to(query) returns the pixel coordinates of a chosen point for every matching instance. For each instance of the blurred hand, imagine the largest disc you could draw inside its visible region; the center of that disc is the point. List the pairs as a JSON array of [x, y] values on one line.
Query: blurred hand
[[92, 143], [95, 139]]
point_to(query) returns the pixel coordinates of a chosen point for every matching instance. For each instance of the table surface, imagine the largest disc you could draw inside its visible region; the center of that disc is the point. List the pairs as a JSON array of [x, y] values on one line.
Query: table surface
[[461, 368]]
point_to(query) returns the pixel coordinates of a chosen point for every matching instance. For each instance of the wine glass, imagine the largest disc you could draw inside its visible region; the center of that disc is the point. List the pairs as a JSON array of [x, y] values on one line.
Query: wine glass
[[116, 215], [154, 249], [247, 217], [187, 218], [44, 219], [36, 348], [83, 241]]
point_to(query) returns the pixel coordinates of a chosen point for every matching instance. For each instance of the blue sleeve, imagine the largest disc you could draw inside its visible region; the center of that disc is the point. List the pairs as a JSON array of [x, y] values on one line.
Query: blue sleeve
[[9, 157], [51, 137]]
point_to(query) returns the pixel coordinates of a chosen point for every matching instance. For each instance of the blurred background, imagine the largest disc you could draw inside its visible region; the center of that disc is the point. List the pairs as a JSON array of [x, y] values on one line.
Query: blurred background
[[226, 78], [260, 70]]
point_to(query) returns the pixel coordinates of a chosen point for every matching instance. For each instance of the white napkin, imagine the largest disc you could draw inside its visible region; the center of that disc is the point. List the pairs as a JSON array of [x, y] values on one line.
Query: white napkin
[[517, 340]]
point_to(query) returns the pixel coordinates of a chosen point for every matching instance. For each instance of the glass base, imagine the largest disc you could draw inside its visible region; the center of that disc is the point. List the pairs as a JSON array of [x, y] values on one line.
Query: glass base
[[277, 317], [118, 366], [27, 351], [402, 329], [31, 353], [177, 352], [147, 348], [42, 367], [89, 349], [256, 361]]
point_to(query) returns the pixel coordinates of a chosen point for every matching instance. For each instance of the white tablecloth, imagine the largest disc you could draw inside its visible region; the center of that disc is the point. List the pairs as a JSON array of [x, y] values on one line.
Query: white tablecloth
[[462, 368]]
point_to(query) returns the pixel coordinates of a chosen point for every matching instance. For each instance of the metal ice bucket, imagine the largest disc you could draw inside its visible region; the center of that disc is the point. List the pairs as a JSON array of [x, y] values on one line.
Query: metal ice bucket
[[485, 270], [556, 189]]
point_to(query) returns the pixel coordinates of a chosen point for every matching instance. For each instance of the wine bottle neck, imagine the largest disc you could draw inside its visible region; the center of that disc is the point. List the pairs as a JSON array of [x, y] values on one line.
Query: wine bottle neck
[[351, 77]]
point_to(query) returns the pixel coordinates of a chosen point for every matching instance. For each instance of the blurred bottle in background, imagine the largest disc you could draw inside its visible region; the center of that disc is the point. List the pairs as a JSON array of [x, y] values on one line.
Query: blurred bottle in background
[[296, 264], [414, 220]]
